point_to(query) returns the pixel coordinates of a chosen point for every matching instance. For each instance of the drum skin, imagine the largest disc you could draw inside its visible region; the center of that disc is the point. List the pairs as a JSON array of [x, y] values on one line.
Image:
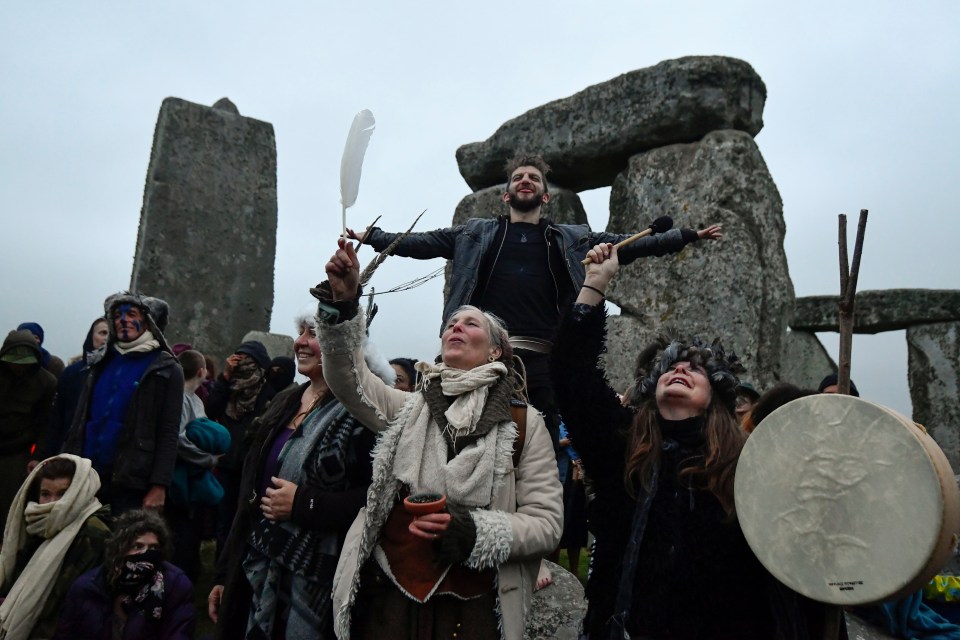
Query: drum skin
[[846, 501]]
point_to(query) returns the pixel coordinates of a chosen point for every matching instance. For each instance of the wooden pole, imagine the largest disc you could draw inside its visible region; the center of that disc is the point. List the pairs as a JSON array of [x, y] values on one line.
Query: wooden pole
[[848, 291]]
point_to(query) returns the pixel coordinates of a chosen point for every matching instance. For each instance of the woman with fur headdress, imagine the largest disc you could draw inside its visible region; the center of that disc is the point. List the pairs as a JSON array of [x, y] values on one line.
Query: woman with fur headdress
[[468, 572], [670, 560]]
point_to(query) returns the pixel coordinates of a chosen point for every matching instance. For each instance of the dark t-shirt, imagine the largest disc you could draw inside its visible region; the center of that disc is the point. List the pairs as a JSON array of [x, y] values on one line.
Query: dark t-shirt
[[521, 289]]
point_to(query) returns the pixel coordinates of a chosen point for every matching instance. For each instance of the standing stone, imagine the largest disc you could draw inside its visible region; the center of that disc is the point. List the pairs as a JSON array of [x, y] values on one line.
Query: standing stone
[[933, 353], [207, 237], [737, 289], [588, 137], [804, 361], [556, 611], [276, 344]]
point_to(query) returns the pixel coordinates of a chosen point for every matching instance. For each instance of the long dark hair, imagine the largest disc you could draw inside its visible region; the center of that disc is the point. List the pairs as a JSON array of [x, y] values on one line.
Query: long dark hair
[[714, 471]]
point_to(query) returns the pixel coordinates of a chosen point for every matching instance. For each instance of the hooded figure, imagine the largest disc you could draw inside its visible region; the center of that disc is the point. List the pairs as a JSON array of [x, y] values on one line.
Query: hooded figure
[[69, 388], [51, 363], [239, 395], [128, 419], [26, 397], [52, 536]]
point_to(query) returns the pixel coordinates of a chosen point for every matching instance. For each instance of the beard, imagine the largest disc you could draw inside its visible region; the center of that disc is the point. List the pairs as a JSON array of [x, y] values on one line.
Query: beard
[[524, 206]]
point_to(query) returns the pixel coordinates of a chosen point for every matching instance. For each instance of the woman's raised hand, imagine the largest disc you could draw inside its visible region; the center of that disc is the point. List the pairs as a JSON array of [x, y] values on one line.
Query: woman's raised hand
[[343, 271], [603, 265]]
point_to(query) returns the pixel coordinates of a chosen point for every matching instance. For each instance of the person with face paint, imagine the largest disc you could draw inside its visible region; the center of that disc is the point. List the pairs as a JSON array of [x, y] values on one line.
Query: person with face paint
[[135, 594], [662, 473], [54, 535], [128, 418]]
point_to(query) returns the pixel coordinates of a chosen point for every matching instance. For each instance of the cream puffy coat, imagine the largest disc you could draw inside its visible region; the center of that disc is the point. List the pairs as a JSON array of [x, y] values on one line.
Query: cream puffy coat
[[525, 518]]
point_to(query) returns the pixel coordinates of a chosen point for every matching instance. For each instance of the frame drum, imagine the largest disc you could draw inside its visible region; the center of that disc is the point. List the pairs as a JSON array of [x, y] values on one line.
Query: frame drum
[[845, 501]]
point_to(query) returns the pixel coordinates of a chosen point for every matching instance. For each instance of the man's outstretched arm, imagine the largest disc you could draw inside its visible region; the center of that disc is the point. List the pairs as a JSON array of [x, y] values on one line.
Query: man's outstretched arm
[[422, 246]]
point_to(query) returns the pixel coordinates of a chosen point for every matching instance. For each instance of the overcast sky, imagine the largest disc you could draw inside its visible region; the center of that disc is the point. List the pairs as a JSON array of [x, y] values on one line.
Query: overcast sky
[[860, 113]]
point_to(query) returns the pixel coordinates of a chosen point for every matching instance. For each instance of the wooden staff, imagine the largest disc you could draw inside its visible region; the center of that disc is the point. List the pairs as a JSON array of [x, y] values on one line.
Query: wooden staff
[[848, 290]]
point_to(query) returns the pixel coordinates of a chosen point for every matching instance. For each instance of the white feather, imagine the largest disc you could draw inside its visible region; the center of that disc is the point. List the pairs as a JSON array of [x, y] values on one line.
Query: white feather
[[352, 162]]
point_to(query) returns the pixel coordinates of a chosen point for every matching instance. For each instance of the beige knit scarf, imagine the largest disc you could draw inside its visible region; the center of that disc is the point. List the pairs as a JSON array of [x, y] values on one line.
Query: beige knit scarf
[[58, 524], [469, 478], [146, 342]]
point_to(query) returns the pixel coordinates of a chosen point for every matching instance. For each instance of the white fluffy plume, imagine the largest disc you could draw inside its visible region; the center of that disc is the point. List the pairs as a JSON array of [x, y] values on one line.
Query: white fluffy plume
[[352, 162]]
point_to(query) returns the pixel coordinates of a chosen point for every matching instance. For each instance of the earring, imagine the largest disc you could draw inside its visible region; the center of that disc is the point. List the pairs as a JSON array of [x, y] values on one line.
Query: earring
[[490, 358]]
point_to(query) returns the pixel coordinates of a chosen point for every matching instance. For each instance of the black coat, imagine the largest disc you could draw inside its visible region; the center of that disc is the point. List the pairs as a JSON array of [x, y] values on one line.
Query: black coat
[[696, 577], [147, 448], [312, 509]]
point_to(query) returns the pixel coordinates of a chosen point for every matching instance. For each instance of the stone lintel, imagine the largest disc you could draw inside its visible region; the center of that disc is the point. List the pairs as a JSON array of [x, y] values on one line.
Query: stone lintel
[[877, 311]]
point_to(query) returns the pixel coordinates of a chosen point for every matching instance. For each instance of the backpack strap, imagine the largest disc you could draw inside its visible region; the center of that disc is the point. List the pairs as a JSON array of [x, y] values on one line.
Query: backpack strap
[[518, 411]]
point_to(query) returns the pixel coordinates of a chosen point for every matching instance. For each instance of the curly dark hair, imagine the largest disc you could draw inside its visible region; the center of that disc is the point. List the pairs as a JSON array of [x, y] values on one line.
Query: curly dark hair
[[126, 529], [527, 160], [724, 437]]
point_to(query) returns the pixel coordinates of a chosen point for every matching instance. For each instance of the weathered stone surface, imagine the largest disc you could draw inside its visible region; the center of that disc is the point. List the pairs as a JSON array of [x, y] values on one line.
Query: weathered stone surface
[[804, 361], [207, 237], [626, 336], [556, 611], [276, 344], [933, 353], [588, 137], [564, 206], [737, 289], [876, 311]]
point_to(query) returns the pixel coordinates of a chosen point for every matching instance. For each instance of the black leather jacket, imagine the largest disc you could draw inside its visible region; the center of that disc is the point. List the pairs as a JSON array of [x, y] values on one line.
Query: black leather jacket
[[468, 243]]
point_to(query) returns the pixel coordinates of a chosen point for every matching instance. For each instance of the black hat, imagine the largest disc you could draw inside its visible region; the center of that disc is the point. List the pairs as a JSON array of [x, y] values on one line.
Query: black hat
[[257, 351], [833, 379]]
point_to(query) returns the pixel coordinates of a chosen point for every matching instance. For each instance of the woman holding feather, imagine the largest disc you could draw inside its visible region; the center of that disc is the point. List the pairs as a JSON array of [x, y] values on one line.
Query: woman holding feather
[[469, 570]]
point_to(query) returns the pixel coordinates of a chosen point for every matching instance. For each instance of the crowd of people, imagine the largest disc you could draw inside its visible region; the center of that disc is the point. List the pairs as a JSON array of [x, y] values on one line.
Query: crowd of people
[[410, 498]]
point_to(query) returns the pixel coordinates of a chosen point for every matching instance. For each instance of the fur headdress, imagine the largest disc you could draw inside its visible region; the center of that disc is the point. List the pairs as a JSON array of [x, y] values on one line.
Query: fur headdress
[[157, 313], [722, 368]]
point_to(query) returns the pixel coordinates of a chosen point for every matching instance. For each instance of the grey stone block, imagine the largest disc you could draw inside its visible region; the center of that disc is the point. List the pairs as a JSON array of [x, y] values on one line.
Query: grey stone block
[[933, 353], [876, 311], [564, 207], [804, 361], [207, 236], [276, 344], [556, 610], [588, 137], [738, 288]]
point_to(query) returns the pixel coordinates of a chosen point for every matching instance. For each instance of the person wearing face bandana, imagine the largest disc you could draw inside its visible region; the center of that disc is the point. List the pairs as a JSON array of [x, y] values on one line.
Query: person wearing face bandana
[[136, 594], [240, 395], [662, 473], [128, 419]]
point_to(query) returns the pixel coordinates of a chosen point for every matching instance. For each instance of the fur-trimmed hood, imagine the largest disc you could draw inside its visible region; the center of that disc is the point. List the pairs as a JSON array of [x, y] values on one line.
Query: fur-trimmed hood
[[157, 313]]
